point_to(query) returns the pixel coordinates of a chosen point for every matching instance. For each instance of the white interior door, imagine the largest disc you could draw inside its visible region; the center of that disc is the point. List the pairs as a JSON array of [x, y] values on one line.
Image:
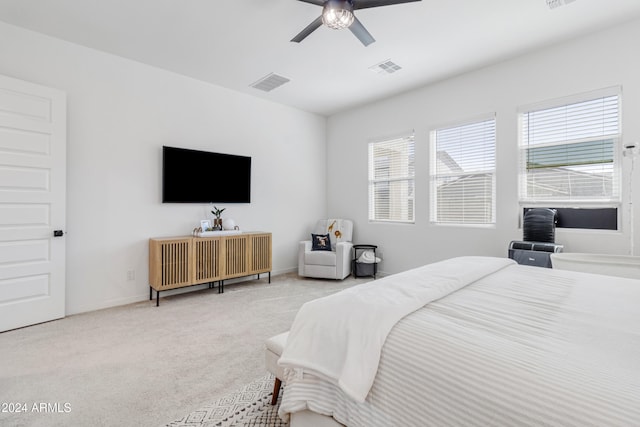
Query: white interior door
[[32, 203]]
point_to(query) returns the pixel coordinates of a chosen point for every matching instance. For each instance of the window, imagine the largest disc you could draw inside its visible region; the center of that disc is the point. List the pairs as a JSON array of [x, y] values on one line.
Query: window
[[568, 151], [463, 173], [391, 180]]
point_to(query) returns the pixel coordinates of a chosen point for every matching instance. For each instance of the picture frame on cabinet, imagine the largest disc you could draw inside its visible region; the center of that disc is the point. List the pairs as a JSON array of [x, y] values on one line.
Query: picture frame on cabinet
[[205, 224]]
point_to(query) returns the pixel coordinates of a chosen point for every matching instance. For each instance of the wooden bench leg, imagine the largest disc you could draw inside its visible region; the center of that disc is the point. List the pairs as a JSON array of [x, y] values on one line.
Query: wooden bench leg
[[276, 391]]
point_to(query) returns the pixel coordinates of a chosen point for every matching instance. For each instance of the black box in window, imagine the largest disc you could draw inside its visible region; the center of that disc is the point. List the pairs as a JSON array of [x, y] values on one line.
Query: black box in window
[[533, 253]]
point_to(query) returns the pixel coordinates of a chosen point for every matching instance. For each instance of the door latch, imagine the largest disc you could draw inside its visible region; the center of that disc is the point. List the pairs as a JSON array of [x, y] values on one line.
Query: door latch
[[58, 233]]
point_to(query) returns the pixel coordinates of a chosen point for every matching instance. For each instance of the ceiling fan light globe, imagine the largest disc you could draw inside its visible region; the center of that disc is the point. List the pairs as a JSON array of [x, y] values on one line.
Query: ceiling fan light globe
[[337, 16]]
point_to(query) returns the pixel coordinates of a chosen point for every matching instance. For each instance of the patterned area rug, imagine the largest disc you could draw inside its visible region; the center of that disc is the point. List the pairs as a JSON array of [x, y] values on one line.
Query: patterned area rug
[[247, 407]]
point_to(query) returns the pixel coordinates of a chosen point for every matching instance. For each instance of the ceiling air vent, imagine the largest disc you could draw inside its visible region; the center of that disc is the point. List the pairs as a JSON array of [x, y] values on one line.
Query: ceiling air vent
[[386, 66], [556, 3], [270, 82]]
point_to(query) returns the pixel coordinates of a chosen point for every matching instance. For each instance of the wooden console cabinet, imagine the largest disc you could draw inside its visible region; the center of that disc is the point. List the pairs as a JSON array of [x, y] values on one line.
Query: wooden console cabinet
[[176, 262]]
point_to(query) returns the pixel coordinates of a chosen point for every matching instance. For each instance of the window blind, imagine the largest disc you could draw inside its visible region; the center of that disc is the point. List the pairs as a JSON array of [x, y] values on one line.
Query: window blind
[[463, 173], [568, 152], [392, 180]]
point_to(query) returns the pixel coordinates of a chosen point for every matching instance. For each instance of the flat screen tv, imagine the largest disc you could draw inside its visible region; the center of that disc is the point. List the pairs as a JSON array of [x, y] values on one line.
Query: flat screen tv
[[193, 176]]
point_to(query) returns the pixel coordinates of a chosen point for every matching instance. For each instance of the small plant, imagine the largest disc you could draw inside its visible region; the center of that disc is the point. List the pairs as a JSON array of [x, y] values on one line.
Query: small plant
[[217, 212], [217, 223]]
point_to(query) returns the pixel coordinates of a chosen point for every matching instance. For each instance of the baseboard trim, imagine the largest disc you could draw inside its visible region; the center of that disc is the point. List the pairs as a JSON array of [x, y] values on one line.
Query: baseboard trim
[[145, 296]]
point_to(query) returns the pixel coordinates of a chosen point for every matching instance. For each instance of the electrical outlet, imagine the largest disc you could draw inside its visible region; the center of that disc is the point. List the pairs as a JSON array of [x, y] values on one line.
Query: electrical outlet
[[131, 275]]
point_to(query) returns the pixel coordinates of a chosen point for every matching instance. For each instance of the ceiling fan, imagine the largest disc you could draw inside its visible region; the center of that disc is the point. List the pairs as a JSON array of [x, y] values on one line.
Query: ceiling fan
[[338, 14]]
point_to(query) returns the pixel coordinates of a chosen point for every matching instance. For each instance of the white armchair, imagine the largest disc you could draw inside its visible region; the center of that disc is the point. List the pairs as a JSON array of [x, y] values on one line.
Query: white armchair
[[334, 264]]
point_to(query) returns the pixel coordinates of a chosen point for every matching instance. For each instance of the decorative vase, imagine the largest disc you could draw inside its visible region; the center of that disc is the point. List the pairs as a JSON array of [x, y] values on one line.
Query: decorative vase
[[217, 224], [228, 224]]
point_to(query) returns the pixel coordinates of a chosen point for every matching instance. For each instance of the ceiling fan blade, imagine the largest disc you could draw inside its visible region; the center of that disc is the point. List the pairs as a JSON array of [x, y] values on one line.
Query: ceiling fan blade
[[361, 32], [308, 30], [365, 4], [316, 2]]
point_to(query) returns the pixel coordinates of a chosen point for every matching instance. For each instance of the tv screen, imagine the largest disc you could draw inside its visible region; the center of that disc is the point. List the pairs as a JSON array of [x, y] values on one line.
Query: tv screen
[[192, 176]]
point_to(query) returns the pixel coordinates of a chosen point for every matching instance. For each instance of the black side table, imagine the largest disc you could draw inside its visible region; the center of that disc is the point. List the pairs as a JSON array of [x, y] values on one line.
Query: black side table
[[364, 269]]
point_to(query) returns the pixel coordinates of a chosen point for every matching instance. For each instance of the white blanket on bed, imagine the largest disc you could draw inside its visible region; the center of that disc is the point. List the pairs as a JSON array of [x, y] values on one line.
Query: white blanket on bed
[[526, 346], [345, 349]]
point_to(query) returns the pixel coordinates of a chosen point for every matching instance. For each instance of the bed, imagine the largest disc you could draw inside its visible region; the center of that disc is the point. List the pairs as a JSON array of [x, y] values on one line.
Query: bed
[[495, 344]]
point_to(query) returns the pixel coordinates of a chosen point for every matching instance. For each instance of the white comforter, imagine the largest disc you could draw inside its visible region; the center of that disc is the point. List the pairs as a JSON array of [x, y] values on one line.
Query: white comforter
[[339, 338], [524, 346]]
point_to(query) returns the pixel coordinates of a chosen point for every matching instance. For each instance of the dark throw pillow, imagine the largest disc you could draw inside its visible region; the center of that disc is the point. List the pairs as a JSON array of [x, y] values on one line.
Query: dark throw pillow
[[320, 242]]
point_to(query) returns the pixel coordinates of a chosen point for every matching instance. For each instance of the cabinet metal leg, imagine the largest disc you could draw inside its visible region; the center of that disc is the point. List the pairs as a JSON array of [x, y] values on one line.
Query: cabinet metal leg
[[157, 298], [150, 293], [269, 277]]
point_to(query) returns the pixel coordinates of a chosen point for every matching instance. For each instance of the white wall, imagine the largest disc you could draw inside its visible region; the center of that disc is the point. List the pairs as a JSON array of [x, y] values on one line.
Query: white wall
[[601, 60], [120, 113]]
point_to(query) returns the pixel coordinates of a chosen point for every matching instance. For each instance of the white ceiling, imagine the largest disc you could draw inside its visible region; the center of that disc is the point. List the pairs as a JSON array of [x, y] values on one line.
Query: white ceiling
[[233, 43]]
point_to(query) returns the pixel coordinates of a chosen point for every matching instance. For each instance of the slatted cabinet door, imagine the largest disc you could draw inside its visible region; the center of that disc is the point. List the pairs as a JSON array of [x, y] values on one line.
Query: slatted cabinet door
[[259, 253], [170, 263], [235, 256], [207, 260]]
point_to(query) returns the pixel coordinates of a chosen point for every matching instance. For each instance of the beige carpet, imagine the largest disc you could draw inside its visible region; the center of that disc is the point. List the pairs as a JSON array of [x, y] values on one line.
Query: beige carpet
[[138, 365]]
